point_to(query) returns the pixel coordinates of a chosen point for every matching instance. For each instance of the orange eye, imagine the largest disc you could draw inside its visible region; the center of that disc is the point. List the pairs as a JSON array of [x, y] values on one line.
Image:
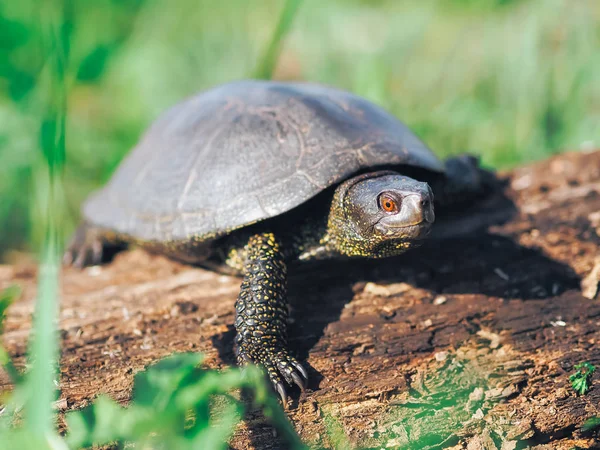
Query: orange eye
[[388, 204]]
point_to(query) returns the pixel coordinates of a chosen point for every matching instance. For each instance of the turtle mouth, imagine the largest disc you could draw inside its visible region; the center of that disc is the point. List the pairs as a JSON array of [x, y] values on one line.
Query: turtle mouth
[[399, 239], [421, 224], [421, 230], [417, 230]]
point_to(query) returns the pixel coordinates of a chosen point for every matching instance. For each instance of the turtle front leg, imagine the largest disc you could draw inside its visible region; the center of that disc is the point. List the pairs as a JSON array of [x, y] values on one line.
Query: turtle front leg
[[262, 313]]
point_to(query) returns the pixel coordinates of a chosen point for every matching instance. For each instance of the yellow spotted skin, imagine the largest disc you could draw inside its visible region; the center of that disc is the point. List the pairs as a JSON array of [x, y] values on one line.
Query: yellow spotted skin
[[261, 310], [345, 243]]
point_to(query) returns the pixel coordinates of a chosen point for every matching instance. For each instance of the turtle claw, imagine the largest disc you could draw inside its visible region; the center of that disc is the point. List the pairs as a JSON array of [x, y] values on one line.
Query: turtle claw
[[301, 369], [299, 381], [290, 370], [280, 367], [280, 388]]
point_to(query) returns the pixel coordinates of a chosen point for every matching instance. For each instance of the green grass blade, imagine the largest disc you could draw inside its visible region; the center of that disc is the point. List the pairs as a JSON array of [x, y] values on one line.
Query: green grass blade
[[269, 59], [43, 348], [40, 390]]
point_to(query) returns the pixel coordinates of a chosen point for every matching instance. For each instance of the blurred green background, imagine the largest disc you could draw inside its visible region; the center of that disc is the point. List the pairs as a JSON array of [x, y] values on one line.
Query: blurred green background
[[513, 81]]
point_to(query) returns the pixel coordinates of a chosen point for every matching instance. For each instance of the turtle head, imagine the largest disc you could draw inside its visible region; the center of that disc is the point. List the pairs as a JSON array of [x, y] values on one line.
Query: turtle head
[[379, 214]]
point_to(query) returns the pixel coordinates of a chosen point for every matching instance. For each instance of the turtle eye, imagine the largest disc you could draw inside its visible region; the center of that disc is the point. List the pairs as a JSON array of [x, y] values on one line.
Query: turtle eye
[[387, 203]]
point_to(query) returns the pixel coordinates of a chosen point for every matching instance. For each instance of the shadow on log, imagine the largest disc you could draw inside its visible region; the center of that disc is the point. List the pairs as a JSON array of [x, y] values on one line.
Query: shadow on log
[[467, 342]]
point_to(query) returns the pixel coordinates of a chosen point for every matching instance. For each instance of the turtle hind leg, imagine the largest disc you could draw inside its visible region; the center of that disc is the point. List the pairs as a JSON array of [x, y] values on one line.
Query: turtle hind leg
[[90, 246], [464, 181]]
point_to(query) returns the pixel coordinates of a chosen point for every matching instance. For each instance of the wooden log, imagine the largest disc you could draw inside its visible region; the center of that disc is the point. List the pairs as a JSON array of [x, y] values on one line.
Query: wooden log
[[467, 342]]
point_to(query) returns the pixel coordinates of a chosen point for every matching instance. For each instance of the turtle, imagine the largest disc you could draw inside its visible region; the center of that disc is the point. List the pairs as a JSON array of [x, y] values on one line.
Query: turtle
[[250, 177]]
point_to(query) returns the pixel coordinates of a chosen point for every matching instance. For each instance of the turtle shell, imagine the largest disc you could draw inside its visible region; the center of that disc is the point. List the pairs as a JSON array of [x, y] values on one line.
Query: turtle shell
[[244, 152]]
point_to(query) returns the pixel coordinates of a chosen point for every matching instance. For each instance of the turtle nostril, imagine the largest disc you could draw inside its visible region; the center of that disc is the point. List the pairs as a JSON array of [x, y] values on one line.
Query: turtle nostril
[[425, 203]]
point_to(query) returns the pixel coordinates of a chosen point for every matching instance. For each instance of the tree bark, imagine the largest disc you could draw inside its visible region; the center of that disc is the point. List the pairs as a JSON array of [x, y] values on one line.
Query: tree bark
[[466, 342]]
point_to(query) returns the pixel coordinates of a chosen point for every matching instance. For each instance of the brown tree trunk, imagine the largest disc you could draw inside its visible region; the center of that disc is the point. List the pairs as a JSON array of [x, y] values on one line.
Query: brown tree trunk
[[467, 342]]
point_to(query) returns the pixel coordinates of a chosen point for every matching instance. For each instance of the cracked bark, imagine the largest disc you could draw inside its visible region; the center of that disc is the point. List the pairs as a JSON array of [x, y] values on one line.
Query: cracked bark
[[465, 342]]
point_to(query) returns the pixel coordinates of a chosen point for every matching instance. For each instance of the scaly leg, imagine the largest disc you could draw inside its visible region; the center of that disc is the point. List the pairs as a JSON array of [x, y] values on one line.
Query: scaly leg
[[262, 313]]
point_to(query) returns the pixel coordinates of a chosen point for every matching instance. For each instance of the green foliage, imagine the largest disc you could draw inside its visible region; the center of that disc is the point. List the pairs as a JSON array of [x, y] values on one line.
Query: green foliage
[[39, 388], [176, 404], [25, 440], [16, 81], [581, 380], [335, 432], [591, 424], [35, 391], [93, 64]]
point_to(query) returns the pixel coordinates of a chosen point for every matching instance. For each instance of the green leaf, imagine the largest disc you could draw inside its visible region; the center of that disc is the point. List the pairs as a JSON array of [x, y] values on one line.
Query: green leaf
[[12, 34], [177, 404], [20, 85], [581, 379], [24, 439], [217, 436], [156, 385], [591, 424], [97, 423], [93, 65]]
